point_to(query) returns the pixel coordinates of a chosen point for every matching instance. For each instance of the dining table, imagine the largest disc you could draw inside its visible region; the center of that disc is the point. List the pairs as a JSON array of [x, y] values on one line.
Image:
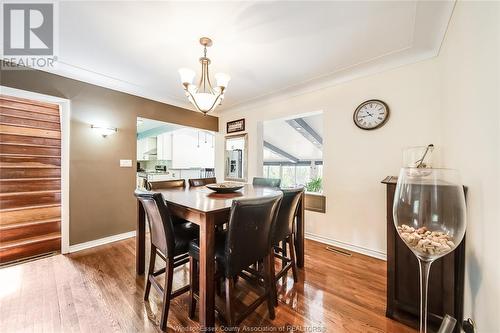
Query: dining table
[[208, 209]]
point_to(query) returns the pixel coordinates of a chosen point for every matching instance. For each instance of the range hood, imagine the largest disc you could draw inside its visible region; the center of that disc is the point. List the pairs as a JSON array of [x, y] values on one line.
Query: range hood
[[151, 152]]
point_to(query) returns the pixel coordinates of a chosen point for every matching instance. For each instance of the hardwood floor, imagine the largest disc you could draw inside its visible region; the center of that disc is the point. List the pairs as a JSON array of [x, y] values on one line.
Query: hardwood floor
[[96, 290]]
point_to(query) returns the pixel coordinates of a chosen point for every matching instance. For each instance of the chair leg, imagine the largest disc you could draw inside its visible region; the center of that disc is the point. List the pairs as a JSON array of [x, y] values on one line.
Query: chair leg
[[284, 253], [272, 268], [218, 287], [152, 259], [229, 301], [269, 282], [193, 285], [167, 292], [291, 242]]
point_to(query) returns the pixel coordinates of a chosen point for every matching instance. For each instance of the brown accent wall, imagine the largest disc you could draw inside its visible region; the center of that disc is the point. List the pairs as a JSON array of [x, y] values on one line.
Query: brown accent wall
[[101, 193]]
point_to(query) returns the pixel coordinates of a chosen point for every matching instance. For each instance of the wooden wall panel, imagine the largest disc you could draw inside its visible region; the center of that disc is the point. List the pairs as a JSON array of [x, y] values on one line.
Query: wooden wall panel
[[27, 131], [29, 184], [29, 140], [9, 173], [32, 161], [28, 115], [16, 201], [30, 178], [10, 217], [26, 122], [29, 105], [20, 149]]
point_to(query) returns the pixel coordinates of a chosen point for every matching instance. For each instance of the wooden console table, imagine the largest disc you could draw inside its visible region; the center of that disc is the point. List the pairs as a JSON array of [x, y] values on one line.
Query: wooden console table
[[446, 280]]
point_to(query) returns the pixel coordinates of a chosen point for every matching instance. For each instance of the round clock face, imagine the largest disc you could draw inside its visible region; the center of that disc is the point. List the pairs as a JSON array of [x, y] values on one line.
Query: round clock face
[[371, 114]]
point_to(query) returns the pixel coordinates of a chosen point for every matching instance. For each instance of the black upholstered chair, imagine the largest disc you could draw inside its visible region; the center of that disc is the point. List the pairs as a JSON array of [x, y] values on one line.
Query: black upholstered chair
[[283, 233], [201, 181], [166, 184], [270, 182], [170, 242], [246, 241]]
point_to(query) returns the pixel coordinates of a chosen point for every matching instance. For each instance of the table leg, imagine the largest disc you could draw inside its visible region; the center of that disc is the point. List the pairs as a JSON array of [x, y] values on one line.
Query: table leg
[[207, 272], [140, 240], [299, 233]]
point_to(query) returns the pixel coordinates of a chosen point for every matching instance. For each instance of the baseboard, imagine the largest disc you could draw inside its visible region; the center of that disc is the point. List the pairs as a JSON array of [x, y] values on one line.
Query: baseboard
[[101, 241], [346, 246]]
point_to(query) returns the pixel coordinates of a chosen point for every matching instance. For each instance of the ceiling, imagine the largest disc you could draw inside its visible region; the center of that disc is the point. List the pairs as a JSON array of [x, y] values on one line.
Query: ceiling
[[268, 48], [285, 137]]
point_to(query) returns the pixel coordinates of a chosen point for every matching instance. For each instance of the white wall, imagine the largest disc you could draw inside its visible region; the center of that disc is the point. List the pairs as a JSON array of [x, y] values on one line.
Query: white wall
[[355, 161], [469, 62], [452, 101]]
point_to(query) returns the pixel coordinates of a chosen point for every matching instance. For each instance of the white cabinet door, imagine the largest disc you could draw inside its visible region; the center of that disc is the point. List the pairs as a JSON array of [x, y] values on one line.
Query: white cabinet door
[[164, 146], [143, 146], [141, 149], [184, 149], [189, 149]]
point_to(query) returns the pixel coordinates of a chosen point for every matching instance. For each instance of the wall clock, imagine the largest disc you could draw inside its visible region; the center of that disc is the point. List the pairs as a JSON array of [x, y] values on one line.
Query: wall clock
[[371, 114]]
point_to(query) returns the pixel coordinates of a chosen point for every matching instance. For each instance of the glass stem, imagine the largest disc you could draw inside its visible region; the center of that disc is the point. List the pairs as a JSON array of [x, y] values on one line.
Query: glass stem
[[425, 267]]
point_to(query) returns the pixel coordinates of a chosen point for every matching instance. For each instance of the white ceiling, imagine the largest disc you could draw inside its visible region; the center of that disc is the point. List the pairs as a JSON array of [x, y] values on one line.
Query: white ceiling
[[268, 48], [280, 134]]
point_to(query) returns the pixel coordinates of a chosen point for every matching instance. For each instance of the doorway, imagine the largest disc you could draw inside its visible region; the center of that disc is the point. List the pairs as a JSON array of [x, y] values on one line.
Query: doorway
[[293, 151], [168, 152]]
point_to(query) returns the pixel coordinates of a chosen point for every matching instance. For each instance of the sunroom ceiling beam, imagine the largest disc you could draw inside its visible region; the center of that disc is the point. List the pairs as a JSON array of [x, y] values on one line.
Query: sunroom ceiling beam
[[301, 126], [280, 152]]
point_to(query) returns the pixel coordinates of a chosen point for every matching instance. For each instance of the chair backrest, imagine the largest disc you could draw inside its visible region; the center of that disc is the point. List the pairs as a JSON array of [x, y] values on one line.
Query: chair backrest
[[166, 184], [201, 181], [286, 214], [160, 222], [249, 231], [270, 182]]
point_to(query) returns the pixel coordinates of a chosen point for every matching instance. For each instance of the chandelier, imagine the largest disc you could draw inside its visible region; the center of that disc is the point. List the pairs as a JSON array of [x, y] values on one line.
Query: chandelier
[[204, 96]]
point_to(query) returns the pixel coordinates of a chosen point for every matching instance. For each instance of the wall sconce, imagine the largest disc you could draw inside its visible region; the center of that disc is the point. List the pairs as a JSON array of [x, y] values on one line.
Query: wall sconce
[[104, 131]]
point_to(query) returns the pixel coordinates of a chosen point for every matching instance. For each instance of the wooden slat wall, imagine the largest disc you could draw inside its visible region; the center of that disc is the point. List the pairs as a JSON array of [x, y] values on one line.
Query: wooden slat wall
[[30, 178]]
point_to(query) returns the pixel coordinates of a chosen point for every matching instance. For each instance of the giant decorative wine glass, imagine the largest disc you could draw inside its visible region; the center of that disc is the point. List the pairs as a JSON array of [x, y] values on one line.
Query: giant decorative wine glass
[[429, 215]]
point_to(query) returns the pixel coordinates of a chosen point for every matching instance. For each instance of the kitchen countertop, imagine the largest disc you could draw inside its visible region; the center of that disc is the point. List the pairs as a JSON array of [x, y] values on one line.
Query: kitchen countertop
[[152, 172]]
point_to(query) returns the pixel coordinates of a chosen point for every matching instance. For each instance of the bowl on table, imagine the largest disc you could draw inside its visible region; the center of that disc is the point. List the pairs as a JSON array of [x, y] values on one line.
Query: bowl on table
[[226, 187]]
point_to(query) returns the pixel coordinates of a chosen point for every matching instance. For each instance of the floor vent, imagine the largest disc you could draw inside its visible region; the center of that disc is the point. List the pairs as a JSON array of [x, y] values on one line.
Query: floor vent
[[344, 253]]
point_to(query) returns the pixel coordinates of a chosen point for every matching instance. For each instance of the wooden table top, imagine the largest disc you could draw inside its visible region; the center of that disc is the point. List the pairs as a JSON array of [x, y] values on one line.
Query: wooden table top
[[205, 200]]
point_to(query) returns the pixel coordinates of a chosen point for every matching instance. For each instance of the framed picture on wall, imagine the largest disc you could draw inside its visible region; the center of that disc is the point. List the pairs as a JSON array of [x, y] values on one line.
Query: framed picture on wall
[[235, 126]]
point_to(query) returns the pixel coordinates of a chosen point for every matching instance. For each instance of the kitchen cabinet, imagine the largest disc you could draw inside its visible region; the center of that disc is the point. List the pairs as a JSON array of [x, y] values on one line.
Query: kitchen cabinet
[[164, 147], [190, 150], [146, 149]]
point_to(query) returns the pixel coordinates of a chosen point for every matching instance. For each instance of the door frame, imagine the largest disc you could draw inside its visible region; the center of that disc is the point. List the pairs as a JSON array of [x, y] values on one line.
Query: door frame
[[65, 113]]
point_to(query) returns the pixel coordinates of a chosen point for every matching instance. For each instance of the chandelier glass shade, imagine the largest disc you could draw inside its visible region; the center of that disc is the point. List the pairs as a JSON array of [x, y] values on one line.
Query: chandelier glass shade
[[204, 96]]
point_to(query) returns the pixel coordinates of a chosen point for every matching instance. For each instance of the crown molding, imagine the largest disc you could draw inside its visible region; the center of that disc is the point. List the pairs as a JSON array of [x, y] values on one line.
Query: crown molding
[[65, 69], [430, 22]]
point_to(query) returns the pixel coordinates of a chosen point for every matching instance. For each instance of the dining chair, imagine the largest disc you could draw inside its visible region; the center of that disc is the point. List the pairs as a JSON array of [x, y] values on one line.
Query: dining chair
[[246, 241], [201, 181], [166, 184], [270, 182], [157, 185], [171, 243], [283, 232]]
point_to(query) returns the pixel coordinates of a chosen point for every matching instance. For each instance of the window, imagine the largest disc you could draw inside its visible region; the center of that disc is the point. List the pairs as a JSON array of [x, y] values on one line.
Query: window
[[296, 175], [274, 171], [288, 176], [302, 174], [265, 171]]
